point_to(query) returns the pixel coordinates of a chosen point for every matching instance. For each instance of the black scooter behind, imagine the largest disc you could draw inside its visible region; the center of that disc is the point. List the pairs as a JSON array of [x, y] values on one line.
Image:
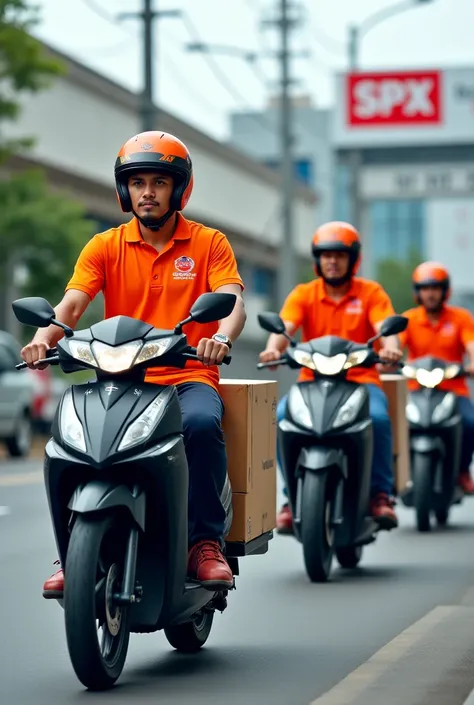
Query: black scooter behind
[[326, 442]]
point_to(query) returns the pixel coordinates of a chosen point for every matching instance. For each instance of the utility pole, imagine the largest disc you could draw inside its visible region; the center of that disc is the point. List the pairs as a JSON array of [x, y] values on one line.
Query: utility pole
[[287, 272], [287, 263], [148, 110]]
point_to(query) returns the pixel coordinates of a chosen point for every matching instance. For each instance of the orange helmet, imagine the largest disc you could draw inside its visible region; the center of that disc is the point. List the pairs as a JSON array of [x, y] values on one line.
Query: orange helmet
[[431, 274], [337, 236], [155, 151]]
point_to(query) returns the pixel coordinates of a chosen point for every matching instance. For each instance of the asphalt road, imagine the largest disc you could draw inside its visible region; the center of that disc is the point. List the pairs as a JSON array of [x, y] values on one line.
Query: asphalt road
[[281, 641]]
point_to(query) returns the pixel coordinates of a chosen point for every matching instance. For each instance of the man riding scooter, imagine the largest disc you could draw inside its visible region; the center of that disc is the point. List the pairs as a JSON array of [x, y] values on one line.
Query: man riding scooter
[[445, 332], [339, 303]]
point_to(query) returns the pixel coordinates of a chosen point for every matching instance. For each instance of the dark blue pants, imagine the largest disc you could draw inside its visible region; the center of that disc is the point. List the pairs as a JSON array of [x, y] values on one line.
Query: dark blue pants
[[202, 410], [466, 409], [382, 461]]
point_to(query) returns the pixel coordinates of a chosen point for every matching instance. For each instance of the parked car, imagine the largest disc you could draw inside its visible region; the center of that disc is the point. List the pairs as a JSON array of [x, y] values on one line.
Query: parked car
[[48, 392], [16, 400]]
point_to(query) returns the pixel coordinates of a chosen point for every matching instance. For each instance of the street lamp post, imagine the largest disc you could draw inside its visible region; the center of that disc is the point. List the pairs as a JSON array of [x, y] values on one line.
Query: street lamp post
[[356, 33]]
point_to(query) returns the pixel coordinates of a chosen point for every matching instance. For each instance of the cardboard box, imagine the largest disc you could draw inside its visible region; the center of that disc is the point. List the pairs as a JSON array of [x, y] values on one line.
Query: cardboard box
[[250, 433], [396, 389]]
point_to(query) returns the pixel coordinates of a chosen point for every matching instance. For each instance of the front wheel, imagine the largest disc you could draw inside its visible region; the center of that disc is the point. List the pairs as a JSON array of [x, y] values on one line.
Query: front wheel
[[422, 490], [189, 637], [94, 569], [317, 534]]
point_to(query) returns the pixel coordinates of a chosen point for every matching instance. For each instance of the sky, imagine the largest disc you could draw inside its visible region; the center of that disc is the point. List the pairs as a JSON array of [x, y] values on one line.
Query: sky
[[204, 91]]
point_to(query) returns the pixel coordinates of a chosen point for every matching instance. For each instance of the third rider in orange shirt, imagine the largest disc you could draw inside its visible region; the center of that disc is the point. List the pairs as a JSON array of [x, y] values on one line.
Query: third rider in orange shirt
[[445, 332]]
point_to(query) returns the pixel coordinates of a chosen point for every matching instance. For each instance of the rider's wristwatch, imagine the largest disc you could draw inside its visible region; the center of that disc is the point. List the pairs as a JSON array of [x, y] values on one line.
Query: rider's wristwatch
[[221, 338]]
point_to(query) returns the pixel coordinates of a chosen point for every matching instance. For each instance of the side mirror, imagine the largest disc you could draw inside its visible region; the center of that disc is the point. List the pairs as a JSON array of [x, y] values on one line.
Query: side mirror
[[393, 325], [37, 312], [33, 311], [208, 308], [271, 322], [212, 307]]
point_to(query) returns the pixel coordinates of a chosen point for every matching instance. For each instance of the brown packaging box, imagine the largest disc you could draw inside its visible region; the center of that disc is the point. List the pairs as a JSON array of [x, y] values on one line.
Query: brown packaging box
[[396, 389], [250, 435]]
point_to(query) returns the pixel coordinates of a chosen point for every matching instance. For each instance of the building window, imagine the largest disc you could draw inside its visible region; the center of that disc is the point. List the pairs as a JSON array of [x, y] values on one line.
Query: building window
[[303, 170], [396, 228], [263, 281], [342, 193]]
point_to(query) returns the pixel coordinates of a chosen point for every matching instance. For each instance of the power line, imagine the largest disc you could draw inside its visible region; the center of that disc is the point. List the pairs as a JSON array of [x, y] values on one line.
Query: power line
[[190, 87]]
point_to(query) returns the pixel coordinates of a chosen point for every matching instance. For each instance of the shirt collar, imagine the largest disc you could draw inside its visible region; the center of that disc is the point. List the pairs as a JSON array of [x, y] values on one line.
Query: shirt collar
[[322, 296], [133, 234]]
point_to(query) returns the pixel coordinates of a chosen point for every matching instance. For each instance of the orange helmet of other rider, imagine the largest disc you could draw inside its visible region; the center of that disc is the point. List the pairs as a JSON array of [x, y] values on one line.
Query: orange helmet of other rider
[[431, 274], [337, 236]]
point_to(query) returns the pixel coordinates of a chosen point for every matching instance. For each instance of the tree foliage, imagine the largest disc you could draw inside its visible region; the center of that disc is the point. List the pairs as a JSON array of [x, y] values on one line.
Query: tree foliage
[[40, 230], [395, 277]]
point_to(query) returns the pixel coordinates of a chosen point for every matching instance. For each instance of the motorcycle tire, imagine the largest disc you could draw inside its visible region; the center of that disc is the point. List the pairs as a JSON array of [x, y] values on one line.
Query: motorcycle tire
[[92, 576], [422, 490], [317, 535]]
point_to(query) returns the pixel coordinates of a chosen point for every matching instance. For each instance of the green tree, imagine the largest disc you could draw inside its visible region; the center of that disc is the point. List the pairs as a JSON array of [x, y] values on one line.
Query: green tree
[[395, 277], [38, 229]]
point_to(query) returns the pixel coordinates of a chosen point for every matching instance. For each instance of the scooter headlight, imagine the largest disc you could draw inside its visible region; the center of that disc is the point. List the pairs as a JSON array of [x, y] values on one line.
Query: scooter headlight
[[430, 378], [70, 426], [444, 408], [356, 358], [140, 429], [304, 358], [412, 413], [329, 365], [298, 408], [118, 358], [351, 407]]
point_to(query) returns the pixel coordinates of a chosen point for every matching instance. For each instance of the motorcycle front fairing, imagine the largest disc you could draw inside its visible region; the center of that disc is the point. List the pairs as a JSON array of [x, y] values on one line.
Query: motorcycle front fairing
[[346, 447], [443, 438]]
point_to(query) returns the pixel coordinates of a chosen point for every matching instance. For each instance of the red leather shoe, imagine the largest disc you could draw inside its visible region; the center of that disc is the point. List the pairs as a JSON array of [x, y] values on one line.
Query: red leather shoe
[[284, 520], [382, 511], [207, 563], [54, 586], [466, 482]]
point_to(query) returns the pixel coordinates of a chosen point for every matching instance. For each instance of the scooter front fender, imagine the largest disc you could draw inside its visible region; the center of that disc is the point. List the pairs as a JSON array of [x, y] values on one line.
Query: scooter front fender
[[99, 496]]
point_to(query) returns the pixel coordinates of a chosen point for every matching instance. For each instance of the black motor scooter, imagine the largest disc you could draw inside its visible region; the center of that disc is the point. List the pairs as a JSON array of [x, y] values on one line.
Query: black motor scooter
[[435, 441], [116, 479], [326, 442]]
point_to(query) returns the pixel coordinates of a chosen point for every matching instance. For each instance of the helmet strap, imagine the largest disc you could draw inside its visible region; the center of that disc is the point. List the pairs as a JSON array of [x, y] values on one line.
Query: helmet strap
[[155, 224]]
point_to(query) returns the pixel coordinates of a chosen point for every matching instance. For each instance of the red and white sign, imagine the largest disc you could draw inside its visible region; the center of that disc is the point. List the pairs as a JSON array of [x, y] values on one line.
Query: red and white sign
[[395, 98]]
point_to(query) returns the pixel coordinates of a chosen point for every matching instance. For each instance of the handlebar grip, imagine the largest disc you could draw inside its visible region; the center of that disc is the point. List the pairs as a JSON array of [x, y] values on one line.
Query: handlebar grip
[[51, 358], [272, 363], [190, 354]]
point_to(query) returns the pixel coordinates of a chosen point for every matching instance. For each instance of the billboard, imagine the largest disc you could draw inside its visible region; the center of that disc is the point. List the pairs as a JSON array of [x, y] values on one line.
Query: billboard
[[405, 107]]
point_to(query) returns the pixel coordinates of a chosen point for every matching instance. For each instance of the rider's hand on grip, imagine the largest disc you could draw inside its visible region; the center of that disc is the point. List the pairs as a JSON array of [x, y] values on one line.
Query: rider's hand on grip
[[270, 356]]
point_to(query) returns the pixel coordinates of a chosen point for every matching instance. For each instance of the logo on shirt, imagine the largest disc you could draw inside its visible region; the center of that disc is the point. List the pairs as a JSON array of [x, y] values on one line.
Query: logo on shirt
[[184, 266], [447, 329], [354, 306]]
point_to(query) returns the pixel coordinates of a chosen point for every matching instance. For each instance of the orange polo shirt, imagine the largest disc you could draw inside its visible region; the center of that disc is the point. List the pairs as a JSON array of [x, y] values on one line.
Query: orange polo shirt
[[159, 288], [446, 339], [354, 317]]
